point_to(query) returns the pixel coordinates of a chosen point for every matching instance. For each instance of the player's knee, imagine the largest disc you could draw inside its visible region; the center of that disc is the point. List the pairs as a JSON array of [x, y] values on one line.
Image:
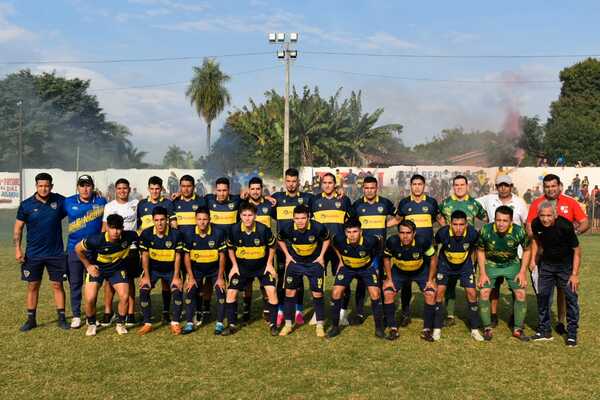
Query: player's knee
[[520, 295], [290, 292], [429, 297], [317, 295], [485, 294], [472, 295], [337, 292], [388, 296]]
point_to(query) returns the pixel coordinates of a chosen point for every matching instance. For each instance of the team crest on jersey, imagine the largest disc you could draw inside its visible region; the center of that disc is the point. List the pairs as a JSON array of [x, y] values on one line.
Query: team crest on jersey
[[466, 246], [311, 238], [74, 208], [194, 207], [211, 243], [265, 210], [340, 277], [300, 200], [510, 243], [440, 277], [256, 241], [106, 249], [289, 279], [53, 205], [363, 210], [345, 251], [338, 204], [425, 209], [416, 256], [168, 244], [231, 206], [194, 243], [179, 207], [235, 281], [362, 253], [409, 209], [145, 209], [470, 207], [214, 206], [380, 209]]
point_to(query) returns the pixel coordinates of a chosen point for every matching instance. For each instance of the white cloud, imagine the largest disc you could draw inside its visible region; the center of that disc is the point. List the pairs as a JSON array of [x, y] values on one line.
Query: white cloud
[[174, 5], [10, 32]]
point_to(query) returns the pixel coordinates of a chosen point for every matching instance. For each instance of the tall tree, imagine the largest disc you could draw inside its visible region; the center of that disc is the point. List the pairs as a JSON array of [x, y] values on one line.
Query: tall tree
[[208, 94], [175, 157]]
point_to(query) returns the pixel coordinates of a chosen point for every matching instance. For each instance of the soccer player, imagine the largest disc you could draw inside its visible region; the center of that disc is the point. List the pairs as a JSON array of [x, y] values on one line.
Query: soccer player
[[84, 211], [497, 256], [490, 202], [407, 259], [204, 260], [110, 250], [127, 209], [568, 208], [558, 265], [251, 247], [42, 214], [456, 243], [284, 214], [304, 244], [459, 200], [356, 253], [423, 211], [144, 213], [161, 250], [331, 209], [376, 214]]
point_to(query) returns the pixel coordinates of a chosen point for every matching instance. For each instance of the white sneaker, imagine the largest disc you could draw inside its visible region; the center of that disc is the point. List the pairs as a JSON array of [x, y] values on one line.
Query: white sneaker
[[75, 323], [476, 335], [91, 330], [437, 334], [344, 317], [121, 330], [313, 320]]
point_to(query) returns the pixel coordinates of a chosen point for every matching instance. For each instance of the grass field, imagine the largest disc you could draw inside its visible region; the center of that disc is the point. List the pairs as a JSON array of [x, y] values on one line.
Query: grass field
[[50, 363]]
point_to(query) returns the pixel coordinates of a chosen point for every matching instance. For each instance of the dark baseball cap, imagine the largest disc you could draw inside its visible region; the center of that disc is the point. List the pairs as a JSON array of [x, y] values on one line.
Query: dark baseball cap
[[85, 180]]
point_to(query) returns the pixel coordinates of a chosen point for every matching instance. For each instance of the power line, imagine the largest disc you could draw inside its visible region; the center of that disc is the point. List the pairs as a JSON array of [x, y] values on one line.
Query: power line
[[471, 56], [135, 60], [407, 78]]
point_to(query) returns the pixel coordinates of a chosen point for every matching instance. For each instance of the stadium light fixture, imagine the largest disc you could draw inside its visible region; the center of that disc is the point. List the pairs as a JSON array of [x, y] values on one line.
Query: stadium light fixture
[[294, 37], [272, 37], [280, 37]]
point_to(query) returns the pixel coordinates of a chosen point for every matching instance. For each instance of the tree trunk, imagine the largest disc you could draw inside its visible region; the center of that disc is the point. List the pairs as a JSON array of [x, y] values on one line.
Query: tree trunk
[[208, 126]]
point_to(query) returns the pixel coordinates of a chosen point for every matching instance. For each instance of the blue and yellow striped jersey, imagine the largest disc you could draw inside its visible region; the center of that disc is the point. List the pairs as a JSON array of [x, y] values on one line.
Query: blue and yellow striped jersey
[[373, 215], [360, 255], [110, 256], [265, 211], [456, 250], [161, 250], [284, 209], [332, 212], [145, 208], [251, 248], [185, 211], [422, 211], [411, 258], [304, 245], [224, 214], [204, 249]]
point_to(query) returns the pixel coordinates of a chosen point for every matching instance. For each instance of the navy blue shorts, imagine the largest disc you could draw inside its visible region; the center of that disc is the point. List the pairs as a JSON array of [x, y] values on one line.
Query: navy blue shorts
[[313, 271], [245, 278], [368, 275], [32, 270], [447, 275], [210, 275], [155, 276], [113, 277], [133, 264], [401, 278]]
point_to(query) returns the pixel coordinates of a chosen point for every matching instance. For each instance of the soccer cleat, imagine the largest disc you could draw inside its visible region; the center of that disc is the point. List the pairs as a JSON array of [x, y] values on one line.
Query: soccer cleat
[[75, 323], [379, 333], [494, 320], [91, 330], [320, 330], [333, 332], [344, 317], [358, 319], [266, 315], [146, 328], [273, 330], [560, 329], [62, 324], [571, 342], [520, 334], [175, 328], [198, 318], [541, 337], [246, 317], [219, 328], [230, 330], [488, 334], [405, 320], [393, 334], [313, 320], [286, 330], [476, 335], [511, 321], [27, 326], [426, 335], [121, 329], [130, 321], [166, 317], [280, 318], [437, 334], [450, 321], [188, 328], [106, 319], [299, 318]]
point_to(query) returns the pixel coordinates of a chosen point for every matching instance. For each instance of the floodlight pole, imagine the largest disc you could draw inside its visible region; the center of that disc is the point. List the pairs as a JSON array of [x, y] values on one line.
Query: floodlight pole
[[286, 116], [20, 149]]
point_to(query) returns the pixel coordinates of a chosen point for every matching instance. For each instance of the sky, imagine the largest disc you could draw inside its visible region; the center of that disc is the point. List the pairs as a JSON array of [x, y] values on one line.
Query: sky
[[424, 94]]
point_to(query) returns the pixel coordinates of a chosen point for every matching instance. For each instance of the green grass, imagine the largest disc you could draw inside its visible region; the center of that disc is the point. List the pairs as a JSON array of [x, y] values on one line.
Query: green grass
[[49, 363]]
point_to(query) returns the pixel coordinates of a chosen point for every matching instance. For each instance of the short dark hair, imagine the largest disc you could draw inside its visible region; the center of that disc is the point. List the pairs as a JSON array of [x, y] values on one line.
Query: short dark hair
[[458, 214], [550, 178], [203, 210], [159, 210], [417, 177], [255, 180], [114, 221], [409, 224], [352, 222], [187, 178], [222, 181], [247, 206], [506, 210], [43, 176], [328, 174], [292, 172], [370, 179], [457, 177], [155, 180], [301, 209], [122, 181]]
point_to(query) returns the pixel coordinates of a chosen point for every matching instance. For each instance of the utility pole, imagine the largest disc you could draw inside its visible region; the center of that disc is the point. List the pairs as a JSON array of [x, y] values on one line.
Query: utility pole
[[287, 54], [20, 149]]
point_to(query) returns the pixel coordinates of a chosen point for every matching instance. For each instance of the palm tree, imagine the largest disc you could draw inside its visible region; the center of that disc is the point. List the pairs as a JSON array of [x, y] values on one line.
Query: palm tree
[[175, 157], [207, 93]]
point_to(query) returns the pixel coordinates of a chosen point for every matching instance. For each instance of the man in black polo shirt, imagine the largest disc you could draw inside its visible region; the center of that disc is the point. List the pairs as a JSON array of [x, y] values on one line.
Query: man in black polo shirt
[[558, 265]]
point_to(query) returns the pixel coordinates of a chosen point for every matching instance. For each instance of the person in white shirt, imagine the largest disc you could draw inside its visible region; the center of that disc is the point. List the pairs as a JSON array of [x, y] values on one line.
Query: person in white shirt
[[126, 208], [504, 196]]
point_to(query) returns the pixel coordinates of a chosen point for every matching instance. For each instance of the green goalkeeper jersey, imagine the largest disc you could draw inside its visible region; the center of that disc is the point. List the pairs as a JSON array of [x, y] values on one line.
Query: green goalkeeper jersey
[[468, 205], [502, 248]]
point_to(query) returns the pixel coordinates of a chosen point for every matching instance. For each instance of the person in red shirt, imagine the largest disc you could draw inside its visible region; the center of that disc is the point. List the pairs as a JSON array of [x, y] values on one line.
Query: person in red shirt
[[568, 208]]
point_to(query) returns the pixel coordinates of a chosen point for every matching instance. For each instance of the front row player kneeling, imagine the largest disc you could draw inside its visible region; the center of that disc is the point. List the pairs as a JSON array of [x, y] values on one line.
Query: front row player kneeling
[[161, 249], [110, 250], [407, 259], [251, 247], [356, 253]]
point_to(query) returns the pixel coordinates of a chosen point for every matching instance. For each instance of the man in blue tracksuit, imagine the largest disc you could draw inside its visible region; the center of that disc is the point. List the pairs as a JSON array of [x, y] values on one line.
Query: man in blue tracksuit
[[84, 211]]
